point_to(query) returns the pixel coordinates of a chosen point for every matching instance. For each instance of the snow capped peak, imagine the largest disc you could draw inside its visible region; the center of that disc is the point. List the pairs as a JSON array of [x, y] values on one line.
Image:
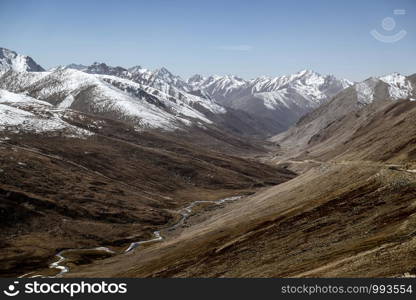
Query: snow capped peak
[[346, 83], [195, 79], [163, 77], [400, 86], [114, 97], [283, 98], [164, 74], [301, 75], [216, 86], [163, 71], [365, 90], [307, 72], [313, 77], [137, 69], [393, 78], [229, 78], [310, 84], [17, 62]]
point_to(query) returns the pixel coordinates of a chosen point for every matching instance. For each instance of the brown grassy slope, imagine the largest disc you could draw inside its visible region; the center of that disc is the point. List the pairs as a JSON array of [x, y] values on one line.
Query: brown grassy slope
[[384, 131], [334, 220], [108, 189], [352, 216]]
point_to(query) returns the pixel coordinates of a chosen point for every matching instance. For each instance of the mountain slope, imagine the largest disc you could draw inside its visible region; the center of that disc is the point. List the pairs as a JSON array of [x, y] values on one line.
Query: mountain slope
[[107, 96], [352, 215], [20, 113], [368, 95], [302, 228], [114, 186]]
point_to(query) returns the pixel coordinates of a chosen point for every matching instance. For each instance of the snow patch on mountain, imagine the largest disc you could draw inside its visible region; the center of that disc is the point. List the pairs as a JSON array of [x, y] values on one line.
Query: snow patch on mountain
[[217, 87], [106, 97], [168, 102], [365, 90], [21, 113], [312, 86], [160, 79], [9, 97], [112, 96], [399, 86], [68, 101], [285, 90]]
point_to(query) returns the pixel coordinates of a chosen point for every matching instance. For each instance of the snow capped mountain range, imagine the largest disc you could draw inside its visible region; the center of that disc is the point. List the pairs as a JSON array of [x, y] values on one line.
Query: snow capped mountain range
[[217, 87], [312, 86], [104, 95], [111, 92], [160, 99], [159, 78], [368, 95], [393, 86], [280, 100]]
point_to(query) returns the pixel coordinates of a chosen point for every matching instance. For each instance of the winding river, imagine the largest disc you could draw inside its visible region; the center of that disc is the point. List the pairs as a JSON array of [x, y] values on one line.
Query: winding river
[[60, 264]]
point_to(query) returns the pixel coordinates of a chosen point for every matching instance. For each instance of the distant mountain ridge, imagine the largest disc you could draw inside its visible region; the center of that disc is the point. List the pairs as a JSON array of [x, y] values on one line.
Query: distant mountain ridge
[[137, 96], [263, 106], [368, 95], [275, 102], [111, 92], [279, 100]]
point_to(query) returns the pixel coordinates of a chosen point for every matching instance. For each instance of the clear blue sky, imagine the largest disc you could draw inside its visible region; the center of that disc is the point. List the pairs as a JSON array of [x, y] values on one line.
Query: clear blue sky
[[247, 38]]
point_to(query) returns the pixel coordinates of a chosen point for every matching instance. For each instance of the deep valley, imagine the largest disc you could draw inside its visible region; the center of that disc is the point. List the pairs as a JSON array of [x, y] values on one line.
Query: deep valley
[[127, 172]]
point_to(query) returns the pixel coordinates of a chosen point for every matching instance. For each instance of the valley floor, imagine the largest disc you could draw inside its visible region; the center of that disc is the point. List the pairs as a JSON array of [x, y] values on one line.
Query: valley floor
[[109, 190], [337, 219]]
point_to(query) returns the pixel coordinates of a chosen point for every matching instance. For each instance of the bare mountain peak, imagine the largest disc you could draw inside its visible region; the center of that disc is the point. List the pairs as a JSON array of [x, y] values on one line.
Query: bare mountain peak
[[76, 66], [104, 69]]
